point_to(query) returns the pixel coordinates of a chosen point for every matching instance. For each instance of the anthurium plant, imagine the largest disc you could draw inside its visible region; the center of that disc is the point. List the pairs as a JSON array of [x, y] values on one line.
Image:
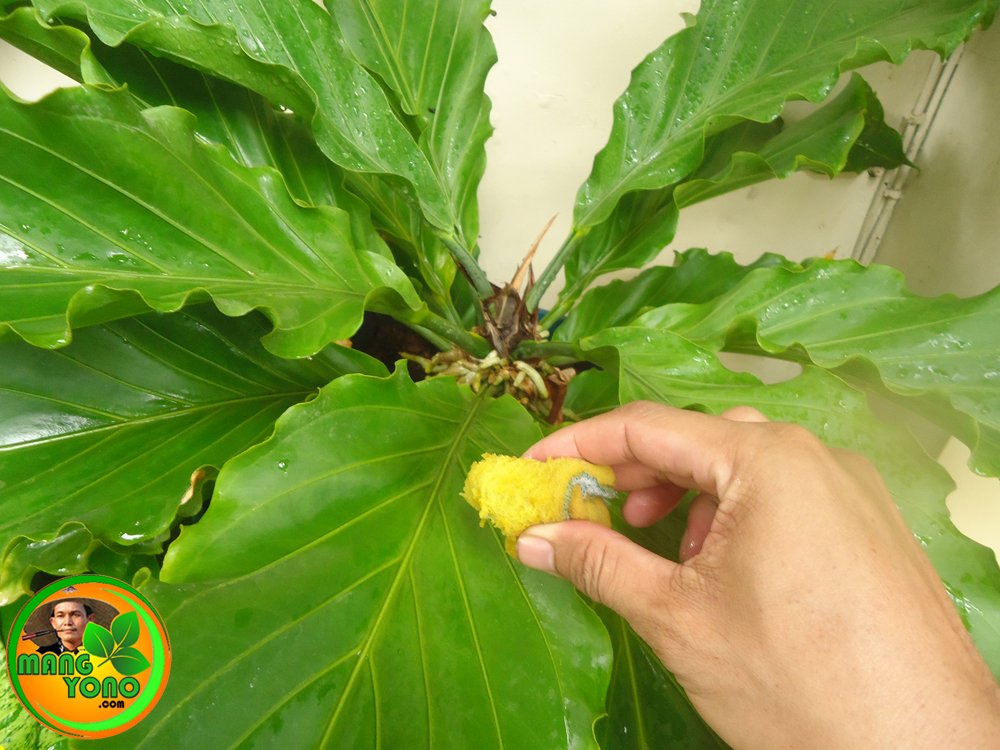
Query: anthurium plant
[[202, 246]]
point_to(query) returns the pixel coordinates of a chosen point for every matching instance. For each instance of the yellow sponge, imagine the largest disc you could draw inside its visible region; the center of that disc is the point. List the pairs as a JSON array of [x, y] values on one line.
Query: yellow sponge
[[515, 493]]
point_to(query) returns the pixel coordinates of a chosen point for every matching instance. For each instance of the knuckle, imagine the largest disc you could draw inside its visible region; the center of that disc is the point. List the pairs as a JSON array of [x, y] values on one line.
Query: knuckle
[[793, 434], [778, 449], [787, 443]]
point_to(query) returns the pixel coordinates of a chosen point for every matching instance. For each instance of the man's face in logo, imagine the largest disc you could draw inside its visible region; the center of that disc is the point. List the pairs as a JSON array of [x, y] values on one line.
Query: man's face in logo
[[69, 619]]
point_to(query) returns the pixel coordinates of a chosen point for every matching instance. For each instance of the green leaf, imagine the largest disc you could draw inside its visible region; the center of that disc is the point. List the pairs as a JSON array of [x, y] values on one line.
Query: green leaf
[[878, 145], [743, 60], [662, 366], [129, 661], [98, 198], [291, 52], [120, 563], [590, 393], [696, 276], [116, 645], [125, 629], [641, 225], [646, 706], [63, 48], [64, 553], [937, 354], [98, 641], [418, 251], [256, 134], [232, 116], [825, 142], [99, 441], [19, 730], [434, 54], [339, 591], [746, 136]]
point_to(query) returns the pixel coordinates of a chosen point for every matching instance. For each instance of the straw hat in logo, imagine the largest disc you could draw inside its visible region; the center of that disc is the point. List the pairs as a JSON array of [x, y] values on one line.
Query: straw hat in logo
[[101, 612]]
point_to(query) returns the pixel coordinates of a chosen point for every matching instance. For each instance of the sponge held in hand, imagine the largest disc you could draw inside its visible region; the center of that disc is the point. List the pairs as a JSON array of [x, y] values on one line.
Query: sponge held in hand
[[515, 493]]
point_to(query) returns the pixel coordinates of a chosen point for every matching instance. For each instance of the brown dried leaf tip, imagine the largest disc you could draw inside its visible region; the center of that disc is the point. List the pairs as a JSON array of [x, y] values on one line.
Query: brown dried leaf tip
[[507, 320]]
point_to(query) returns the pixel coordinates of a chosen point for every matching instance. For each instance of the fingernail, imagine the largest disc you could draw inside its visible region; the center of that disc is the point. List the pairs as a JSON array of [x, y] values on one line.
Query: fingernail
[[536, 553]]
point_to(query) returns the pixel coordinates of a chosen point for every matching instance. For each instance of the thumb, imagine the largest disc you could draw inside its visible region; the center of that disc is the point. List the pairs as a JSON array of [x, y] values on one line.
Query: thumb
[[605, 565]]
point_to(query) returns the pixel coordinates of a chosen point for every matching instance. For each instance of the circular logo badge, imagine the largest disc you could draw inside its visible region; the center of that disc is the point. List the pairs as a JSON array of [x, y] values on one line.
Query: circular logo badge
[[88, 656]]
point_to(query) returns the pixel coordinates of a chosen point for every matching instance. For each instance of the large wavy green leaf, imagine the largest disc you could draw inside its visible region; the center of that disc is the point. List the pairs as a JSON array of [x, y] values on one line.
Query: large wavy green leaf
[[99, 441], [435, 55], [254, 132], [696, 276], [340, 593], [62, 48], [939, 354], [662, 366], [641, 225], [416, 248], [590, 393], [256, 135], [743, 59], [98, 197], [292, 53], [847, 131]]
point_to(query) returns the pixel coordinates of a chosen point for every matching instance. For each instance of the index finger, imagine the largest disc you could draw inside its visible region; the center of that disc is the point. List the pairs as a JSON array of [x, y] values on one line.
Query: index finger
[[654, 443]]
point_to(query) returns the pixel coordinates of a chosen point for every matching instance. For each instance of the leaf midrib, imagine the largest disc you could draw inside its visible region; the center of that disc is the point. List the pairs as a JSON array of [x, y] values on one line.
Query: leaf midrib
[[169, 414], [118, 469], [183, 229], [472, 624], [433, 499], [254, 282]]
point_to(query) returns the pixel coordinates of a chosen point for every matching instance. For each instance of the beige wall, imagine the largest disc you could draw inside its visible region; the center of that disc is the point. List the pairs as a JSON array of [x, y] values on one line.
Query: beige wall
[[563, 63]]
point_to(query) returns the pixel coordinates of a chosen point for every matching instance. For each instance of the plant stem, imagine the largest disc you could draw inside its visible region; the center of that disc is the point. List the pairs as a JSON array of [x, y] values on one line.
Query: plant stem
[[560, 309], [552, 269], [544, 350], [440, 296], [449, 308], [441, 343], [464, 258], [444, 329]]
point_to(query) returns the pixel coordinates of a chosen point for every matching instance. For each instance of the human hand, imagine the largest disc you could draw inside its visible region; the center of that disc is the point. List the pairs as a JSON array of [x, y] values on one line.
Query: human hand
[[804, 614]]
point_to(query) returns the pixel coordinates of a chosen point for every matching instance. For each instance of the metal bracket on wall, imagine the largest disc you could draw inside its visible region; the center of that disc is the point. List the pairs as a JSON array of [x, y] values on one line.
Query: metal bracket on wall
[[916, 127]]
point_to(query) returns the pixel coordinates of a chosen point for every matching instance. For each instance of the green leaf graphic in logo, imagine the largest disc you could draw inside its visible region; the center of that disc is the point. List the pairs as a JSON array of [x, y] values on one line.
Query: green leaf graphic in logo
[[129, 661], [115, 645], [125, 629], [98, 641]]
